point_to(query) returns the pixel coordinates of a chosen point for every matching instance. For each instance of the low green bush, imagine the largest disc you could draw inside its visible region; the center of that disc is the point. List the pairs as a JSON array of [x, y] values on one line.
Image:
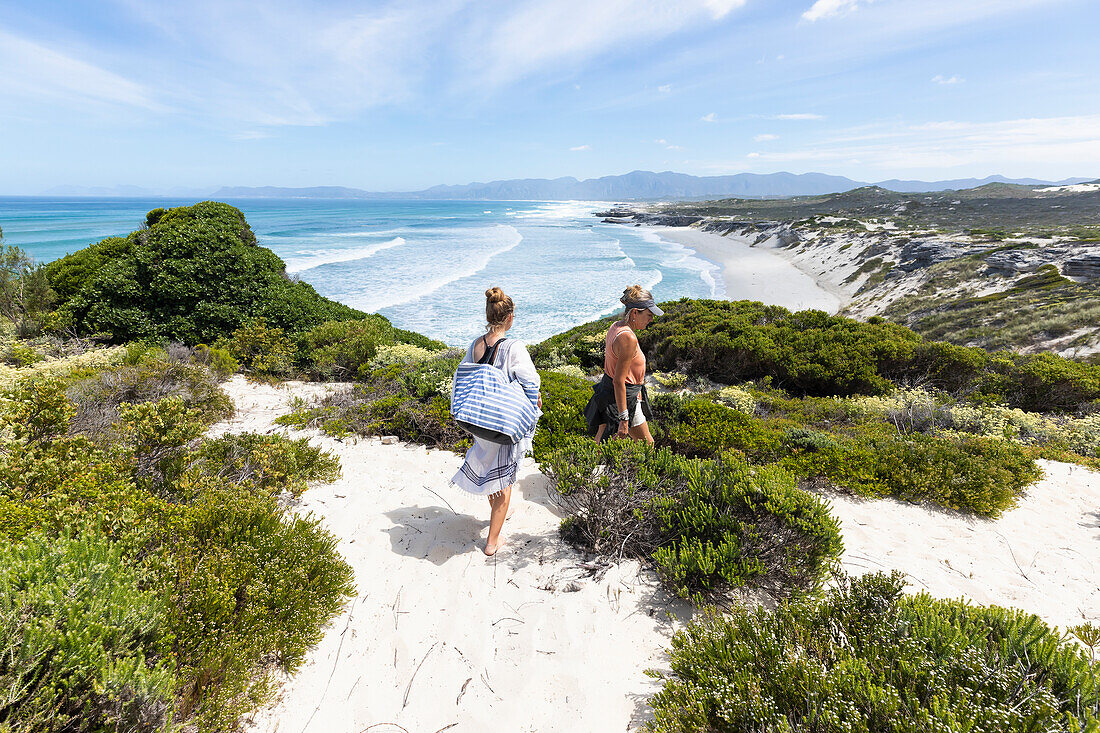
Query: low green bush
[[563, 400], [267, 463], [969, 473], [708, 527], [812, 353], [411, 401], [244, 587], [343, 349], [149, 377], [83, 645], [869, 658], [260, 349]]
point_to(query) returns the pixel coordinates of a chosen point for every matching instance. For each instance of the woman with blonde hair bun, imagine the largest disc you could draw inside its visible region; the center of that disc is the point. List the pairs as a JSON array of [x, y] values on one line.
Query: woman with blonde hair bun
[[489, 468], [620, 402]]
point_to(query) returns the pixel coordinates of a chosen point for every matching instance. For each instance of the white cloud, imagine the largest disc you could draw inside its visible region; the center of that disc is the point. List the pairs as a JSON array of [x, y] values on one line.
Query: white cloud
[[710, 117], [941, 79], [753, 155], [251, 135], [35, 71], [529, 37], [1012, 147], [765, 137], [829, 8], [664, 88], [581, 147], [800, 116]]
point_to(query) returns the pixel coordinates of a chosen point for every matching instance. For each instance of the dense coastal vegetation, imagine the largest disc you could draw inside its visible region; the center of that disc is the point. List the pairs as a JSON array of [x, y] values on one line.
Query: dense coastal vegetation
[[998, 266], [152, 578]]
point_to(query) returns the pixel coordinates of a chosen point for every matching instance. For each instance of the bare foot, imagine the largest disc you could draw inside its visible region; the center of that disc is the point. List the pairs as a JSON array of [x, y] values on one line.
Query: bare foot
[[491, 550]]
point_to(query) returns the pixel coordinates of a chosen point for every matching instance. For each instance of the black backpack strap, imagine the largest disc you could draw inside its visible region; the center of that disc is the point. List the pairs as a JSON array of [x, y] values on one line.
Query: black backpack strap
[[490, 354]]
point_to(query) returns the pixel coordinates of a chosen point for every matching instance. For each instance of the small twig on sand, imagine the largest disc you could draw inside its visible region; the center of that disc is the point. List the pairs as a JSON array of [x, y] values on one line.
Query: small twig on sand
[[446, 727], [408, 688], [397, 607], [340, 646], [508, 618], [448, 506], [463, 690], [395, 725], [1014, 560]]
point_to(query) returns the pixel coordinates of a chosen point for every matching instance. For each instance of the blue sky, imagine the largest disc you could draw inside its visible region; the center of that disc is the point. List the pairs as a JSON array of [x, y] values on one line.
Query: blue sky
[[404, 95]]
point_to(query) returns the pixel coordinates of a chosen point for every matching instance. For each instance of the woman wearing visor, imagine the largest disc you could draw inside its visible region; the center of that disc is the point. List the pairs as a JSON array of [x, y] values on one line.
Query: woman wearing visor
[[620, 403]]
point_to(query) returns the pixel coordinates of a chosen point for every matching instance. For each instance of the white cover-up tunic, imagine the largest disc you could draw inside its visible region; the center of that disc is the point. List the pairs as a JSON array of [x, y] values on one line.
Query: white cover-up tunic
[[491, 467]]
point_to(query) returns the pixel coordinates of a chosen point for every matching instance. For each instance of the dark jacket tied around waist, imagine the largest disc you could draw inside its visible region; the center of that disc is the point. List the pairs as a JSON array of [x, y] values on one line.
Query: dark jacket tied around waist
[[602, 409]]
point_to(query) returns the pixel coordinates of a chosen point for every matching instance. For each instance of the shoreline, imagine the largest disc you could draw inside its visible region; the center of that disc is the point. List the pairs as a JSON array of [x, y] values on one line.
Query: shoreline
[[753, 273]]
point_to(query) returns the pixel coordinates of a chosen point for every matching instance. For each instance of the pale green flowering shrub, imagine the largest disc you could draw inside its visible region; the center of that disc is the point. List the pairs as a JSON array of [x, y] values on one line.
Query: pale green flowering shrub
[[91, 360], [737, 398], [670, 380], [400, 354], [570, 370]]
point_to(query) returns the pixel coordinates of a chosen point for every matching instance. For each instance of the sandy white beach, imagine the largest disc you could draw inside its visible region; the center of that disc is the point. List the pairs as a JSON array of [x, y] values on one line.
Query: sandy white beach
[[539, 638], [752, 273]]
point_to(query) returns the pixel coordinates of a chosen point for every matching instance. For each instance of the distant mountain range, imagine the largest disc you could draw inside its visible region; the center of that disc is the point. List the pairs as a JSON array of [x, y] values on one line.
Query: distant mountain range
[[637, 185]]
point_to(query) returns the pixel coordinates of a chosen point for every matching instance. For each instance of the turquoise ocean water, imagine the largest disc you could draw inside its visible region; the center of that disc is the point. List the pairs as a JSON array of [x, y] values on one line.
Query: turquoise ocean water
[[423, 264]]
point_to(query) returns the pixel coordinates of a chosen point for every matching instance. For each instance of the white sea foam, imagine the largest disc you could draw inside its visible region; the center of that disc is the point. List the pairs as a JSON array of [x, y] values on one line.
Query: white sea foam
[[308, 259], [689, 259], [509, 239]]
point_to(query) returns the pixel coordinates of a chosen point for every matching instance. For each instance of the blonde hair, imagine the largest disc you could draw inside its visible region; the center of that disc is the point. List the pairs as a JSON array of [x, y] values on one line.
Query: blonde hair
[[633, 294], [498, 307]]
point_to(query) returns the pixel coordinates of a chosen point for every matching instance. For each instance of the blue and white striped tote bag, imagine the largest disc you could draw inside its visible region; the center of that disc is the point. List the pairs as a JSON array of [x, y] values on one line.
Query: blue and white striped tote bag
[[486, 405]]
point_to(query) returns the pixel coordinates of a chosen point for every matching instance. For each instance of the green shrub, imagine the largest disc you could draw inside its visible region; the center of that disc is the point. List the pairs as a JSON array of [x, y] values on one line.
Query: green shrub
[[708, 527], [563, 400], [195, 274], [152, 378], [868, 658], [246, 587], [415, 339], [342, 349], [217, 360], [812, 353], [82, 645], [400, 354], [260, 348], [969, 473], [581, 346], [267, 463], [250, 590]]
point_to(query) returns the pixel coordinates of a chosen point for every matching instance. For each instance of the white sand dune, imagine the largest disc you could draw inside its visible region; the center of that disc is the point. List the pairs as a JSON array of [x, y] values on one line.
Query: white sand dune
[[752, 273], [533, 639], [440, 637]]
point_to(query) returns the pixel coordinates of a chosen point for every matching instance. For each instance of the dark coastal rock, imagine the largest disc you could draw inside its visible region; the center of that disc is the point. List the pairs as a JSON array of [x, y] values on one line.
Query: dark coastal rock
[[920, 253], [667, 220], [1016, 260], [1086, 265]]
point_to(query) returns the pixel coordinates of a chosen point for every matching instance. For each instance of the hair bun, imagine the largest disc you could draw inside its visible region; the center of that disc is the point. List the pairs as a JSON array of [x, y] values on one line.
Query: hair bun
[[495, 295]]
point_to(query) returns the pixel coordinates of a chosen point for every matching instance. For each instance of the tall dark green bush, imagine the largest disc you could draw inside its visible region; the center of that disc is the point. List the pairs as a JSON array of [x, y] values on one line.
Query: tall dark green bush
[[194, 274], [869, 658], [708, 527]]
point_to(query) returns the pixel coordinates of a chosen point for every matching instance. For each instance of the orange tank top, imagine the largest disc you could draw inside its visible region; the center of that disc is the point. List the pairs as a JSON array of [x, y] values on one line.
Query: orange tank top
[[635, 374]]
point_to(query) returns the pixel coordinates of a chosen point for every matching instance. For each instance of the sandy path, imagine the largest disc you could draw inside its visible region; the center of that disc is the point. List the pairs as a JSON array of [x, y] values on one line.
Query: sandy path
[[439, 634], [1042, 557], [440, 637]]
